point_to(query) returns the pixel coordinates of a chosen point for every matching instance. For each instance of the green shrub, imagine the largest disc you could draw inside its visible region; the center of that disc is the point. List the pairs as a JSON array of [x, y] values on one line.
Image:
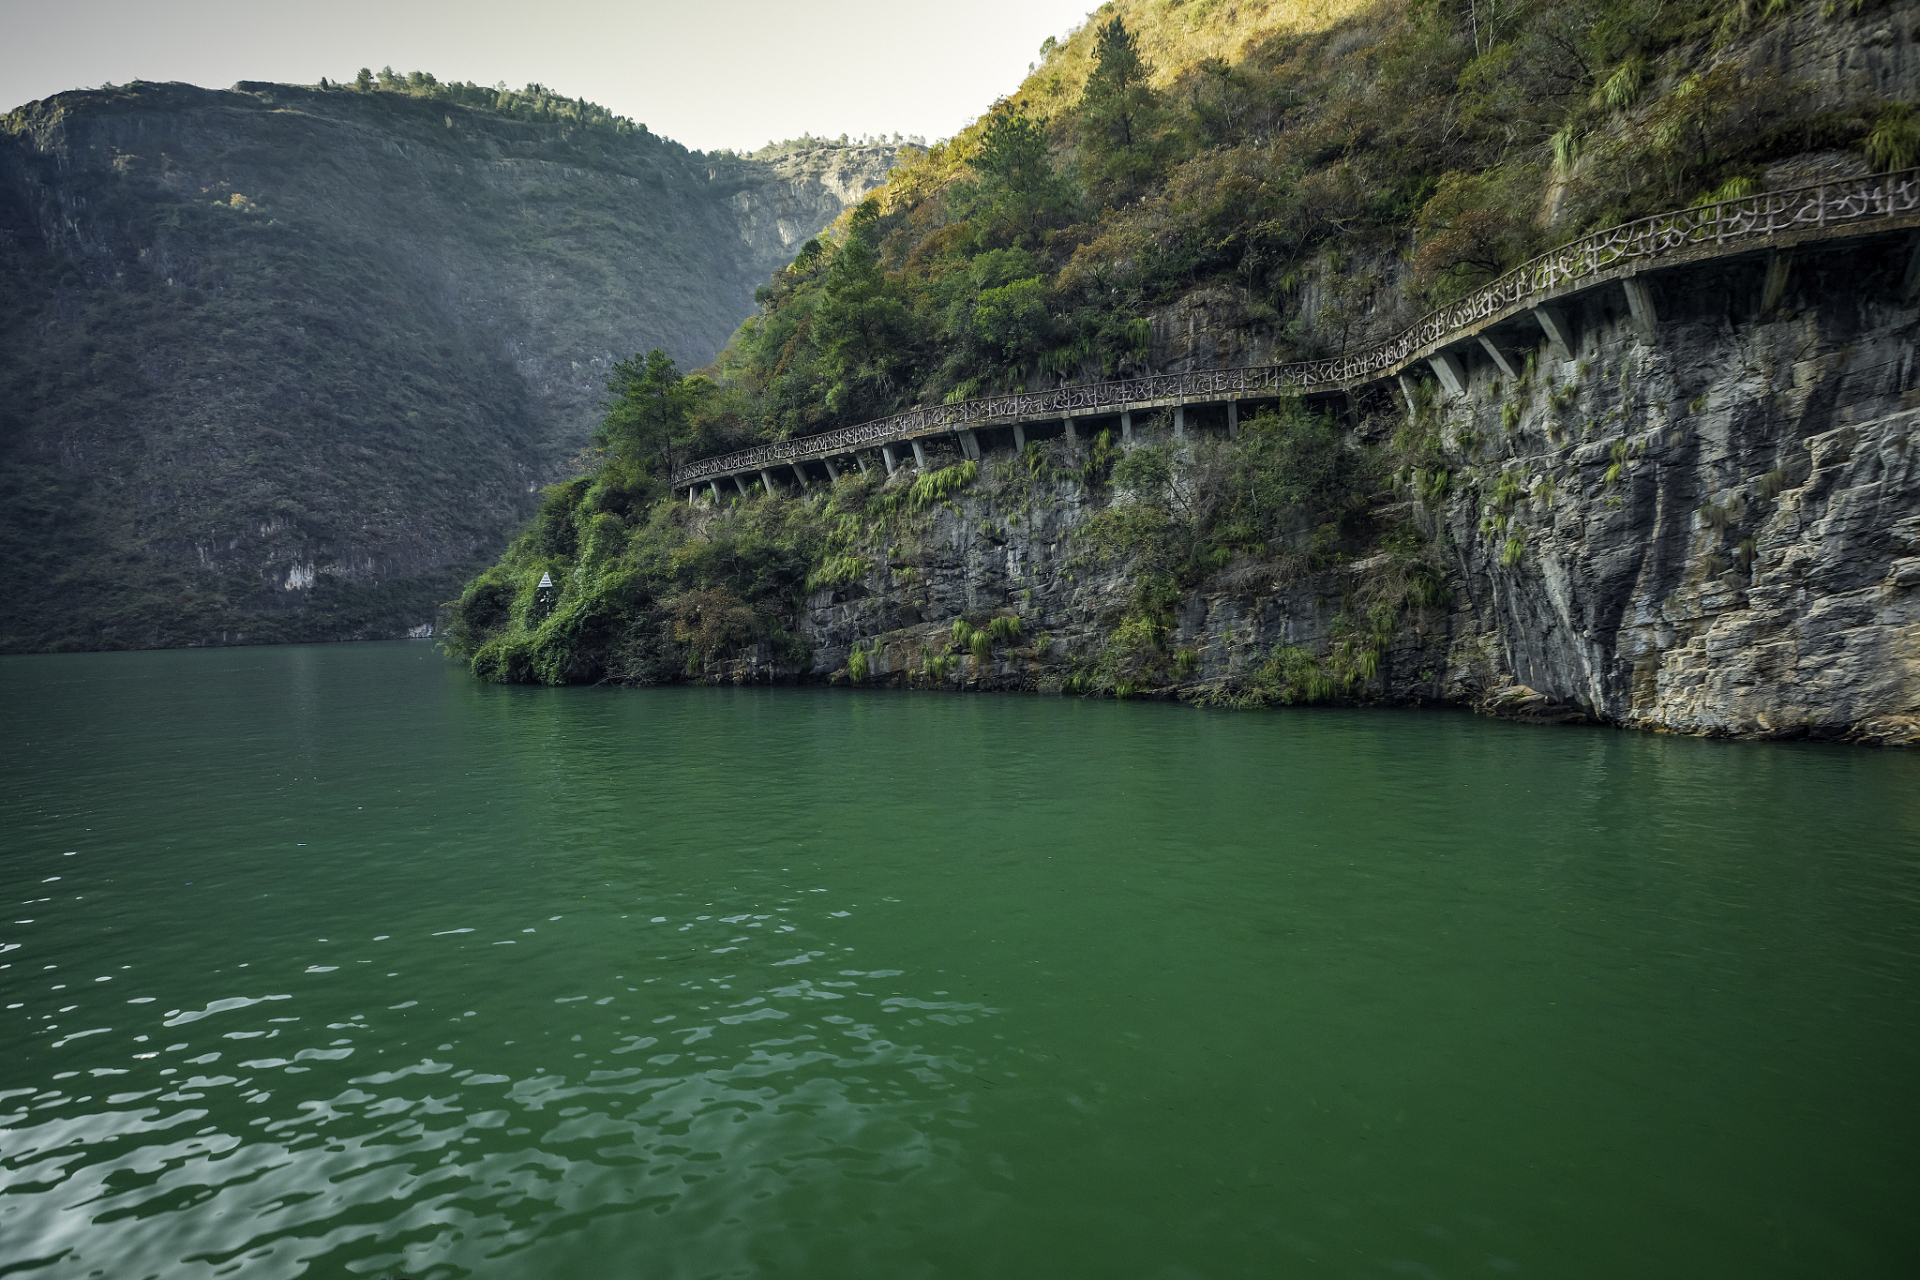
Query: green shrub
[[1894, 142], [1508, 490], [837, 570]]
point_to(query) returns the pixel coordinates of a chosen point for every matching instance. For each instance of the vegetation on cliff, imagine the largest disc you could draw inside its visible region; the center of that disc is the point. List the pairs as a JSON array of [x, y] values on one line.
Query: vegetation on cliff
[[1316, 175], [650, 588], [1320, 174], [536, 103], [1390, 156]]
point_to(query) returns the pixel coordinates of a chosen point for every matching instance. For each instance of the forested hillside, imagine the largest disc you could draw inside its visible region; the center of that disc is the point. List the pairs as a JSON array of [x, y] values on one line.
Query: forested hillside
[[286, 362], [1176, 186], [1315, 174]]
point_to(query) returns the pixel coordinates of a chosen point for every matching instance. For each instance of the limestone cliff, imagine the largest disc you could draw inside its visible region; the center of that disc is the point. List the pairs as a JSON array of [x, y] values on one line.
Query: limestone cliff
[[1712, 528], [1723, 519]]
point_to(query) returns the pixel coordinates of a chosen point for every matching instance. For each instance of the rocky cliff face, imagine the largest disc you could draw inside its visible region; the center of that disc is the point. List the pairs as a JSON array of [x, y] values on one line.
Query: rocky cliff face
[[283, 364], [1711, 529], [1722, 520]]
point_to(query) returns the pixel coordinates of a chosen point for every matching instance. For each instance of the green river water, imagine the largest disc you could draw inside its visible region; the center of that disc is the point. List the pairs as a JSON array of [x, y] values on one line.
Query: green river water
[[331, 961]]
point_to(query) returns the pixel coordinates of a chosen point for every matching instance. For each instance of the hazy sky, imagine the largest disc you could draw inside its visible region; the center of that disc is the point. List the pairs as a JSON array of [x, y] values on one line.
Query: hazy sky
[[709, 73]]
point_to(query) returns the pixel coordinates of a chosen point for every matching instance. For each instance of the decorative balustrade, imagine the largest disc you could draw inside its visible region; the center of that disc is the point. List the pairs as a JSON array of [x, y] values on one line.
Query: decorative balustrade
[[1729, 226]]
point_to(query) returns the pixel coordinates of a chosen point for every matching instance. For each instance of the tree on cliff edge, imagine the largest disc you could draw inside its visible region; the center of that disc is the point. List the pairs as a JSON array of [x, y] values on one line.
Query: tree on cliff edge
[[1118, 110], [1018, 195], [648, 421]]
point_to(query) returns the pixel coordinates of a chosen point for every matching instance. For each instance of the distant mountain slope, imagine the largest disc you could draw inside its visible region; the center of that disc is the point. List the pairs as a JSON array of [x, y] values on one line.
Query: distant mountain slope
[[281, 363]]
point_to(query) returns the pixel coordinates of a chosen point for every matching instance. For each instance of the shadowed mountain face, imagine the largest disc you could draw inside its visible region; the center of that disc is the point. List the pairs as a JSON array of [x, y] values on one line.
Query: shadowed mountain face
[[287, 364]]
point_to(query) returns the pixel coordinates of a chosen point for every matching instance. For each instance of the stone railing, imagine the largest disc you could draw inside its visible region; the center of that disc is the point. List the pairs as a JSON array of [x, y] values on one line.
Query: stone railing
[[1729, 226]]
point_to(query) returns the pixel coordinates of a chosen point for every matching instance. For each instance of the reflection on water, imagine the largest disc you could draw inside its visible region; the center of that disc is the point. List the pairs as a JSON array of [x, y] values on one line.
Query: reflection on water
[[718, 1116], [329, 961]]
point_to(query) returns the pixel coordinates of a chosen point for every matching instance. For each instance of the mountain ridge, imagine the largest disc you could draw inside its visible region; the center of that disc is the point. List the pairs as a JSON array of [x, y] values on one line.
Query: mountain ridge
[[283, 363]]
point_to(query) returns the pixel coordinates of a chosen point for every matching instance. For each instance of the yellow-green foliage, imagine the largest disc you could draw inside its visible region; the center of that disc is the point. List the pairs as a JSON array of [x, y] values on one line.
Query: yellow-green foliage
[[935, 486], [837, 570], [1508, 490], [1163, 147], [648, 588], [535, 102], [1295, 675], [1432, 485], [1620, 452], [1895, 140]]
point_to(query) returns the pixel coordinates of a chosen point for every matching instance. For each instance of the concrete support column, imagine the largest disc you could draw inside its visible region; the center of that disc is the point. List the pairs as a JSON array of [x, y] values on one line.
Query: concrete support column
[[1126, 426], [1406, 391], [865, 466], [1499, 358], [1779, 271], [1911, 286], [766, 478], [1553, 322], [692, 490], [799, 475], [1233, 419], [1640, 303], [1179, 422], [886, 455], [920, 455], [1452, 374], [1019, 438], [970, 445], [833, 472], [741, 485], [714, 487], [1073, 438]]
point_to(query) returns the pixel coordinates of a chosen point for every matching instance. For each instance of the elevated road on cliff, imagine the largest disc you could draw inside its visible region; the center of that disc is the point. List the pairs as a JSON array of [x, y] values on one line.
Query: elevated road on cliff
[[1537, 294]]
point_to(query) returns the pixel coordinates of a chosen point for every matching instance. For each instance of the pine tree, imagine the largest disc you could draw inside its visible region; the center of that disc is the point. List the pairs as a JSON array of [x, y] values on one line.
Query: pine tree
[[1118, 109]]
